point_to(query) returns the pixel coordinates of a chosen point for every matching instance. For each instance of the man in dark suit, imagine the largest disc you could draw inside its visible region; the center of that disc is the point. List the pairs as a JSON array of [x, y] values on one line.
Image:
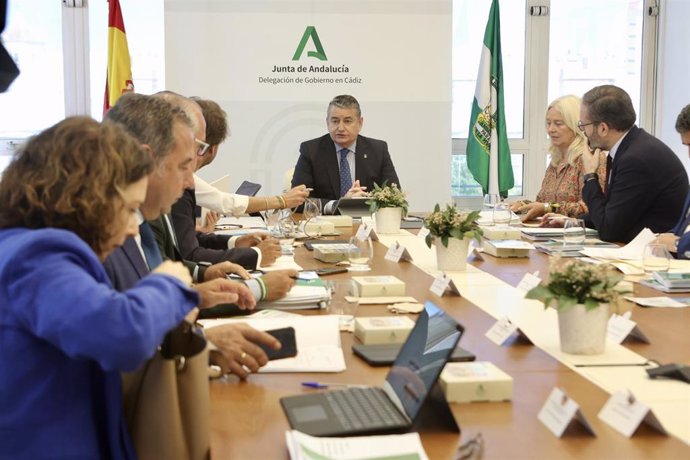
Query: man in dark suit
[[166, 133], [678, 240], [646, 184], [342, 163]]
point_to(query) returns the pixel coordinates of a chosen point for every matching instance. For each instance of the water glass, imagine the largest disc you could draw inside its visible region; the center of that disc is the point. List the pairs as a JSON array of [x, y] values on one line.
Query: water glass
[[312, 208], [272, 218], [344, 299], [491, 200], [359, 253], [574, 231], [502, 213], [656, 258]]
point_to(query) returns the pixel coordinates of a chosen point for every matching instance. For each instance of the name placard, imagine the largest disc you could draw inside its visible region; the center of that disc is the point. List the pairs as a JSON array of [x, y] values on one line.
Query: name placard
[[422, 233], [444, 284], [529, 281], [559, 412], [501, 330], [397, 252], [620, 327], [625, 414]]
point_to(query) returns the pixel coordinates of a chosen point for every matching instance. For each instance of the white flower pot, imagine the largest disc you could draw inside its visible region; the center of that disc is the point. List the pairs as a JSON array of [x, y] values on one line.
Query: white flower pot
[[583, 332], [388, 220], [453, 257]]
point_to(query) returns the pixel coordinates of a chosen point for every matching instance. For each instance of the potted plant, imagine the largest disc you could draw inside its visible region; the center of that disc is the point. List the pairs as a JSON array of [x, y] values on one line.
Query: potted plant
[[581, 293], [389, 205], [452, 230]]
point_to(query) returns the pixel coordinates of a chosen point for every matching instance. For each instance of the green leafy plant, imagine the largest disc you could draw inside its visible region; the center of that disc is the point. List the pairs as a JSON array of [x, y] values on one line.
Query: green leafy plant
[[387, 196], [451, 223], [573, 282]]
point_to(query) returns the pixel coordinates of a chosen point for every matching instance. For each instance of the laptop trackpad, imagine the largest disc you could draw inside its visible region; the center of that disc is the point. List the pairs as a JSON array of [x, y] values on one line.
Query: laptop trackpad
[[311, 413]]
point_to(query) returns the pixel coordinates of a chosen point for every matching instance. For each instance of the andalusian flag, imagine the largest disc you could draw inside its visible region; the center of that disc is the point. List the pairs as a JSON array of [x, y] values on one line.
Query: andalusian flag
[[488, 154], [119, 74]]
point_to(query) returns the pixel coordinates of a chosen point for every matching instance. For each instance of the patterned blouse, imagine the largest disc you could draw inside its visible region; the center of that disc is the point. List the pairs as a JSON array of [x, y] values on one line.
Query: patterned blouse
[[563, 184]]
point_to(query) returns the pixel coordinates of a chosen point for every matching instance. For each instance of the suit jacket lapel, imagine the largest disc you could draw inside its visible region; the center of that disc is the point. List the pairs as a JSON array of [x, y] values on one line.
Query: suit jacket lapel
[[131, 250], [361, 170]]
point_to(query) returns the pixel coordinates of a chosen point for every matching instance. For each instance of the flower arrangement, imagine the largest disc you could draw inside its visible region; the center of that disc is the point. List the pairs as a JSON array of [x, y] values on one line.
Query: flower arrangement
[[451, 223], [573, 282], [387, 196]]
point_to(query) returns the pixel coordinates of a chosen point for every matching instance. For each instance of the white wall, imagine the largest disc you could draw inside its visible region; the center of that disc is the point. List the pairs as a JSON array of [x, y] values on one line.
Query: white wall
[[400, 51], [674, 73]]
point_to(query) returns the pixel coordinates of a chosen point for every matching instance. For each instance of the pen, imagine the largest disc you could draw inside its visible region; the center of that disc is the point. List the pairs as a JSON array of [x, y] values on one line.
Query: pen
[[330, 384], [612, 365]]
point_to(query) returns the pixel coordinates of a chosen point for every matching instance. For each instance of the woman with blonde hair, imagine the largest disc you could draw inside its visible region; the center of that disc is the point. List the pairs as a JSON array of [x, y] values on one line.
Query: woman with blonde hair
[[561, 189]]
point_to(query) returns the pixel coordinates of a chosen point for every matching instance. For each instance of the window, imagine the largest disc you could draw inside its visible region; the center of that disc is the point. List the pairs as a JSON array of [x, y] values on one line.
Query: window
[[589, 43]]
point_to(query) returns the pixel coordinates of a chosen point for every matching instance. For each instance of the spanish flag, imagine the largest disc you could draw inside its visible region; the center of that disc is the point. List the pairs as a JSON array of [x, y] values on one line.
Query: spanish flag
[[119, 74]]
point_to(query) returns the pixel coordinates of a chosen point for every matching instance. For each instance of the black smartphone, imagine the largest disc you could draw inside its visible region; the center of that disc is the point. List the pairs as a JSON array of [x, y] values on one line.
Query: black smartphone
[[286, 336], [385, 354], [330, 270]]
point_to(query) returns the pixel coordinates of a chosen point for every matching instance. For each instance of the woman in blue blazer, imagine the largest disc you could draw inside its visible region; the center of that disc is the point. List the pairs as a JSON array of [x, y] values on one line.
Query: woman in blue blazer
[[68, 199]]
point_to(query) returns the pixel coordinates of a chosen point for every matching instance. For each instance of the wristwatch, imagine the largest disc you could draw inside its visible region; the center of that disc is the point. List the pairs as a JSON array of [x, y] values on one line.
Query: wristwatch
[[588, 177]]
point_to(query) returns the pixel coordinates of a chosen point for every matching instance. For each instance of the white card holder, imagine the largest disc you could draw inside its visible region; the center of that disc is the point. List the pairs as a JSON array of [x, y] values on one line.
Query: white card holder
[[626, 414], [397, 253], [502, 330], [442, 285], [621, 327], [559, 412]]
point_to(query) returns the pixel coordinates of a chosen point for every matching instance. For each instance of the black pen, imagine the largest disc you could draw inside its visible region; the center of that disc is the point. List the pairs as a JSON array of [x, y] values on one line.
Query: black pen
[[612, 365]]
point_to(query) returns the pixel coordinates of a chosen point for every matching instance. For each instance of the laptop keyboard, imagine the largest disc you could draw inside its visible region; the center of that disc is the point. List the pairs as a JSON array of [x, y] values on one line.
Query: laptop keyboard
[[363, 408]]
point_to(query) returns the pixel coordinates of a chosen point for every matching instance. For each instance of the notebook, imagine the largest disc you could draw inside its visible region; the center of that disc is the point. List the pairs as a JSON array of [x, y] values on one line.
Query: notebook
[[353, 207], [398, 404]]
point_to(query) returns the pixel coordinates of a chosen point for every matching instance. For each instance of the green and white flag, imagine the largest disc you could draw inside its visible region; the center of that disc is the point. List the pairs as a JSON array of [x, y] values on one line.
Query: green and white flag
[[488, 154]]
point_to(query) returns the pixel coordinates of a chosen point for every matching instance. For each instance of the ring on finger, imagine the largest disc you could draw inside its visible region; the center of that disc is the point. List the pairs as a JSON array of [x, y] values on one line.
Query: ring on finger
[[243, 355]]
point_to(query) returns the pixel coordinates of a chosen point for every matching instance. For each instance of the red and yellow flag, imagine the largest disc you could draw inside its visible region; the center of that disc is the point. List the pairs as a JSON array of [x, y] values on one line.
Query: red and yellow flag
[[119, 74]]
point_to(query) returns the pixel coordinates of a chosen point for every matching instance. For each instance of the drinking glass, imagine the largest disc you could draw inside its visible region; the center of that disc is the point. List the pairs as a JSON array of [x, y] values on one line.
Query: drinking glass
[[502, 213], [344, 299], [272, 218], [656, 258], [312, 208], [360, 253], [490, 200], [574, 231]]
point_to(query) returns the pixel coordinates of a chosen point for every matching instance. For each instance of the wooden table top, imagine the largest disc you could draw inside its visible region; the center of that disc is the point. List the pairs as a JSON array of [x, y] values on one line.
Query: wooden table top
[[247, 421]]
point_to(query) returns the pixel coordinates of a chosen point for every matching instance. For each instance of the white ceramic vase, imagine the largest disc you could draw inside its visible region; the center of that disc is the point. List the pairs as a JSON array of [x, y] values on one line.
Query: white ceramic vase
[[453, 257], [388, 220], [583, 332]]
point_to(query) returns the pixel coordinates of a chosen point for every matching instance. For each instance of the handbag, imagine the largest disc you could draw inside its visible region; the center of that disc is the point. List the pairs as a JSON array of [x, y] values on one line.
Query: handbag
[[166, 402]]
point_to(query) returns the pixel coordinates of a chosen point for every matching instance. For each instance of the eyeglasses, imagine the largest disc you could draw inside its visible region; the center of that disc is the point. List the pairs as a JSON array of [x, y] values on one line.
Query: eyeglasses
[[581, 126], [203, 147]]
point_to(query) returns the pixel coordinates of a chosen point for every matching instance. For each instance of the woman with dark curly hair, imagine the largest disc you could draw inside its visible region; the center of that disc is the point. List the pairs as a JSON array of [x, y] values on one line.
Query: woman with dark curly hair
[[69, 198]]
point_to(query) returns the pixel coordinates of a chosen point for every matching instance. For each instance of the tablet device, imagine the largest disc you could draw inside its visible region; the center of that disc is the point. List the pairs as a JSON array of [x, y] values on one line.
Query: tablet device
[[385, 354], [353, 207], [248, 188]]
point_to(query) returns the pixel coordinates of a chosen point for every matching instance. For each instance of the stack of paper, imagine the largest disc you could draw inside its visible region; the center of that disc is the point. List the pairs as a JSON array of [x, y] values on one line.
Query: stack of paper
[[396, 446], [546, 233], [304, 295], [317, 339], [631, 251]]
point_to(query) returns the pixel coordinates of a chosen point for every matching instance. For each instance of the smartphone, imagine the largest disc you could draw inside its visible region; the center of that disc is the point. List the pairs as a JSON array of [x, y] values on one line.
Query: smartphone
[[286, 336], [330, 270], [385, 354]]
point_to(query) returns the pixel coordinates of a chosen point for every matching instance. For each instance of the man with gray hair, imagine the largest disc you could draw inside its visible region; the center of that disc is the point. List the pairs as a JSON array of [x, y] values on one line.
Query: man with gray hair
[[646, 182], [342, 163]]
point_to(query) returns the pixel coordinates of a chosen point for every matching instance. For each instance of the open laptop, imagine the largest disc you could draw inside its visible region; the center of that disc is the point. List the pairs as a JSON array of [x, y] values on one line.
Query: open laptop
[[394, 407], [353, 207]]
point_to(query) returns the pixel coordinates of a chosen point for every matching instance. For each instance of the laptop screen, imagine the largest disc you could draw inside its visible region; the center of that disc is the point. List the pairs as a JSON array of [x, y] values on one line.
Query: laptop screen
[[421, 359]]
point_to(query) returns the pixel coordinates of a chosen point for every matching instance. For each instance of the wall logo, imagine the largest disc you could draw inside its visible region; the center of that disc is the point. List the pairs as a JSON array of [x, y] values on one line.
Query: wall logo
[[310, 32]]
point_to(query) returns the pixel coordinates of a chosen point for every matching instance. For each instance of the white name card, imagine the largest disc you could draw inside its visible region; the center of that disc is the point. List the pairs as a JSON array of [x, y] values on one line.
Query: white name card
[[397, 252], [625, 414], [621, 327], [476, 250], [501, 330], [364, 231], [422, 233], [442, 284], [559, 412], [529, 281]]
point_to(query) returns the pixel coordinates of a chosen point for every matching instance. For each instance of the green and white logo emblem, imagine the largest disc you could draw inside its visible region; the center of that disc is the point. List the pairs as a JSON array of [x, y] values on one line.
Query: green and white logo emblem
[[319, 53]]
